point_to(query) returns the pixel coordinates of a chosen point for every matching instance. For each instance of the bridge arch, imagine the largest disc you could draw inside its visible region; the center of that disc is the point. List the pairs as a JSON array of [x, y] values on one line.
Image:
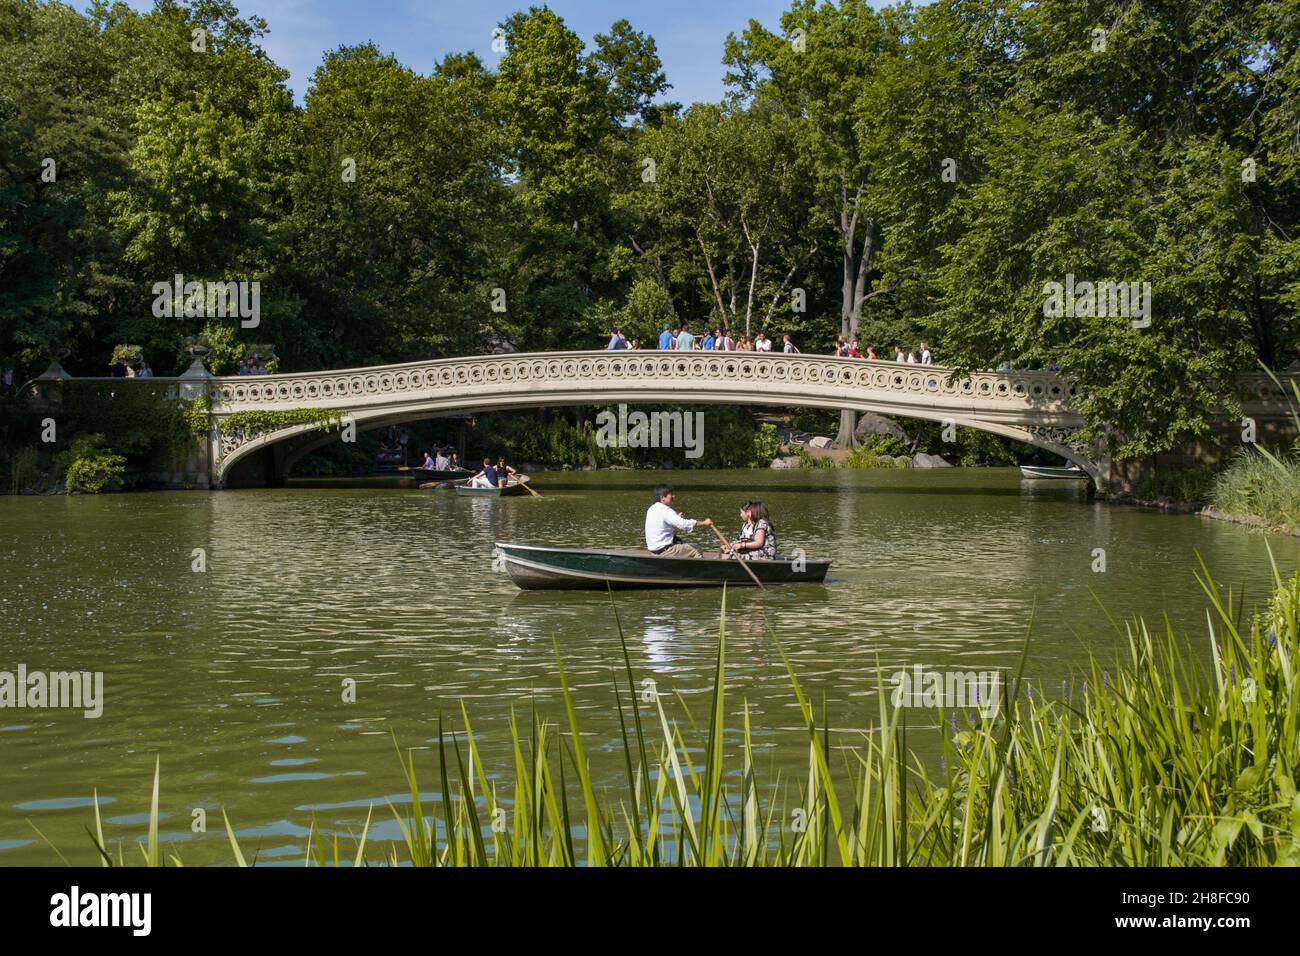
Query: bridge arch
[[1033, 407]]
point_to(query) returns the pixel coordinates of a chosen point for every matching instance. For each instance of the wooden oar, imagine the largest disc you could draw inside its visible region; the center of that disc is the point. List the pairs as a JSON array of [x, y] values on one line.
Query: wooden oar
[[526, 488], [748, 569]]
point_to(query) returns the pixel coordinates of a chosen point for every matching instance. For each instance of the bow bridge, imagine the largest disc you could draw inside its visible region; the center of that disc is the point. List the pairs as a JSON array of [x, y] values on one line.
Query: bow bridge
[[243, 448], [1029, 406]]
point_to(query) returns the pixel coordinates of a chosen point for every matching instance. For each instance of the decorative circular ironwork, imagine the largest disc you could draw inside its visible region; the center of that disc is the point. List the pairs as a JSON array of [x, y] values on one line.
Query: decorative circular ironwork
[[1030, 397]]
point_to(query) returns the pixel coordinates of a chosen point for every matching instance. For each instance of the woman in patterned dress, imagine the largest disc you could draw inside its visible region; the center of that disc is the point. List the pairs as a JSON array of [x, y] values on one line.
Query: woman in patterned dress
[[757, 537]]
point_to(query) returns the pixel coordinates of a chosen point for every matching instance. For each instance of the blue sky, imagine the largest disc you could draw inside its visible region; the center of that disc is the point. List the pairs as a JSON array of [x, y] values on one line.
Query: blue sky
[[689, 33]]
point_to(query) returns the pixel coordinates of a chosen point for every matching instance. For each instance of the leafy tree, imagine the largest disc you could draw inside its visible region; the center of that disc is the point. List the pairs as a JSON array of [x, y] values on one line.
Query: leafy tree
[[819, 74], [57, 158], [726, 194]]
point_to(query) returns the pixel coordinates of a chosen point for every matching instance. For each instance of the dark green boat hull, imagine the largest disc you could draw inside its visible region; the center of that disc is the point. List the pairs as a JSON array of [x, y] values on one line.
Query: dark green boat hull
[[545, 569], [432, 474]]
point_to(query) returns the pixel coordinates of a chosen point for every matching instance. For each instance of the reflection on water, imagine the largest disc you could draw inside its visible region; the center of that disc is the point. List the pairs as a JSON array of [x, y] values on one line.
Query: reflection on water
[[237, 676]]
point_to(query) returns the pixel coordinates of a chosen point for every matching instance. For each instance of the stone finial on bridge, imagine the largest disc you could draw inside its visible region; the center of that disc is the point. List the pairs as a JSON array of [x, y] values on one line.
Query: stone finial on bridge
[[194, 380], [55, 373]]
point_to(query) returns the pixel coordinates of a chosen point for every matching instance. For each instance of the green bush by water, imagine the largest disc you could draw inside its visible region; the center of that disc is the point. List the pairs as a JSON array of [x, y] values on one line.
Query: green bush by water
[[1191, 485], [1257, 484], [90, 465], [879, 451], [1261, 483]]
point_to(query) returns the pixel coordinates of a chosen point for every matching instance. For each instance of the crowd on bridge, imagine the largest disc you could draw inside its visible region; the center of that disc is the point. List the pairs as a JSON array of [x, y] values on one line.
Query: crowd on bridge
[[681, 338], [252, 365]]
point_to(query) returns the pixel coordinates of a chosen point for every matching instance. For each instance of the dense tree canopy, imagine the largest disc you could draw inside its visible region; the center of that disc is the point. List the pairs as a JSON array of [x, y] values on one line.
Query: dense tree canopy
[[892, 174]]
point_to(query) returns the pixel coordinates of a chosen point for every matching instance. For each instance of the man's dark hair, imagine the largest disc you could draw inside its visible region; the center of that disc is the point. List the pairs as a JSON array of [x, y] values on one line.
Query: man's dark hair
[[661, 490]]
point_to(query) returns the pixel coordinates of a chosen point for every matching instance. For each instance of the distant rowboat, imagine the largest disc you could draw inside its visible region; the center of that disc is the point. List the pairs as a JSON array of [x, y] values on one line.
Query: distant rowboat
[[434, 474], [1043, 471], [537, 569], [513, 489]]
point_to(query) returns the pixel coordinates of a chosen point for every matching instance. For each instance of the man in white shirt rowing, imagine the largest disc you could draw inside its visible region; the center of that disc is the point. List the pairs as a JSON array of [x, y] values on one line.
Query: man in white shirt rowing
[[662, 523]]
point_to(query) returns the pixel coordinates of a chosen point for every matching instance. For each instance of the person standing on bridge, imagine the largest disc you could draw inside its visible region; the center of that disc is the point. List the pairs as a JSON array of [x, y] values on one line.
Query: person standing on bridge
[[685, 341], [926, 358], [662, 522], [666, 338]]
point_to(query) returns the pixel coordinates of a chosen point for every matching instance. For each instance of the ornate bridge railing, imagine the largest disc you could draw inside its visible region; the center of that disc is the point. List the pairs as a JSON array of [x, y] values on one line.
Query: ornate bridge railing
[[593, 371]]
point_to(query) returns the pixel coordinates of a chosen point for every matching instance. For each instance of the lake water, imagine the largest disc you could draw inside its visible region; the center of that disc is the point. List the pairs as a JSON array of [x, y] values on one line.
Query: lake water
[[235, 676]]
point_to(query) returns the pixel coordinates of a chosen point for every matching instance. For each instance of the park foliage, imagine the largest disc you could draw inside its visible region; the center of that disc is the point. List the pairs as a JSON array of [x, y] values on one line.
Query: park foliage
[[898, 173]]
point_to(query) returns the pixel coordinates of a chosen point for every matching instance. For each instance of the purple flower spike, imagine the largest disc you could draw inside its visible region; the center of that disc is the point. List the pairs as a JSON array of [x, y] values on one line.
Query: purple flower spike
[[953, 722], [1272, 638], [1232, 674], [1105, 679], [943, 765], [1029, 691]]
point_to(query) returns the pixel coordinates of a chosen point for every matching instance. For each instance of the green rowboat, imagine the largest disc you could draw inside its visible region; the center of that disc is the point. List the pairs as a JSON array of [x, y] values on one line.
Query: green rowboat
[[540, 569], [433, 474]]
